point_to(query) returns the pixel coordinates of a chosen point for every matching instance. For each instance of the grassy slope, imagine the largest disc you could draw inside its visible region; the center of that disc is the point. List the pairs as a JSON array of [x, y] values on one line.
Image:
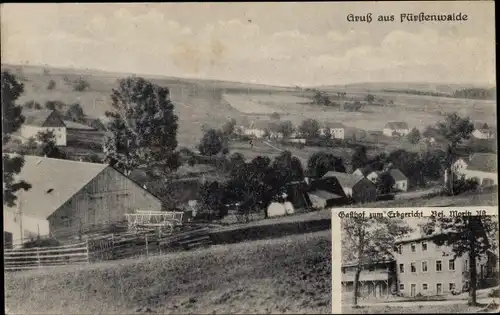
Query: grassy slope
[[291, 274], [425, 309]]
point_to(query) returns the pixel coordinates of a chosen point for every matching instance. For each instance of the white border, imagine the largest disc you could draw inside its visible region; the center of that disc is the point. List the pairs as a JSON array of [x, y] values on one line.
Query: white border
[[337, 241]]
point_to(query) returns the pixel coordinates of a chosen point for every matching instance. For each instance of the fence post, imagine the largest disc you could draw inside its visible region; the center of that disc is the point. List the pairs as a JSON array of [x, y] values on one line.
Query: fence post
[[112, 246], [159, 240], [38, 257], [147, 250]]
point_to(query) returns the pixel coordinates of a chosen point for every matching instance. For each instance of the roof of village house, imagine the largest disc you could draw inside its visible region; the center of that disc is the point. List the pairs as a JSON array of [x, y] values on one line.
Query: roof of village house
[[260, 124], [74, 125], [485, 162], [38, 117], [366, 170], [325, 195], [396, 125], [333, 125], [397, 174], [344, 179], [53, 182]]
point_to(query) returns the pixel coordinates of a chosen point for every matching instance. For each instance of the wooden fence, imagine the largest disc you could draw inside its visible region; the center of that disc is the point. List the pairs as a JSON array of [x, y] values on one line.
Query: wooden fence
[[107, 247], [30, 258]]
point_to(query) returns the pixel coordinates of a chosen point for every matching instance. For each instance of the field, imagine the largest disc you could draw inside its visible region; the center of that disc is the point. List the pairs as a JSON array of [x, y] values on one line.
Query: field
[[419, 309], [287, 275], [210, 103]]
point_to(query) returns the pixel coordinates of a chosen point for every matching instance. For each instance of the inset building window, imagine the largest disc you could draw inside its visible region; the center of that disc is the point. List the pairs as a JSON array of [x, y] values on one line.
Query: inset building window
[[451, 265], [439, 265], [413, 267], [424, 266], [424, 246], [413, 247], [401, 268]]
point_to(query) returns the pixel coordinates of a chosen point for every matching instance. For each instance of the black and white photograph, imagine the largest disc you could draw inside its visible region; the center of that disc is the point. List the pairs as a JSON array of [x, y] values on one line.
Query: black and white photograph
[[175, 158], [445, 263]]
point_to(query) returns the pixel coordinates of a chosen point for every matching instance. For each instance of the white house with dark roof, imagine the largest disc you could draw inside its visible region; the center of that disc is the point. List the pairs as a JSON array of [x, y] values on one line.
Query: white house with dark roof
[[480, 166], [396, 128], [483, 131], [42, 121], [400, 180], [68, 196], [335, 129]]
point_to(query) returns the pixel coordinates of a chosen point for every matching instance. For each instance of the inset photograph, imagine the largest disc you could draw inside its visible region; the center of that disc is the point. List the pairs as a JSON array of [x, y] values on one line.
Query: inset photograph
[[446, 264]]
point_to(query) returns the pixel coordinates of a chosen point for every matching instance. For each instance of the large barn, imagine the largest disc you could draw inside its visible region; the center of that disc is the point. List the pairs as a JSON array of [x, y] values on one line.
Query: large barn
[[67, 197]]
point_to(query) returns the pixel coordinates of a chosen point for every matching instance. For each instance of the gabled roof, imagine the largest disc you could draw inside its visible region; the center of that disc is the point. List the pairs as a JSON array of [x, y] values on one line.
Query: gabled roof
[[344, 179], [397, 174], [325, 195], [39, 118], [74, 125], [53, 182], [366, 170], [396, 125], [485, 162], [333, 125]]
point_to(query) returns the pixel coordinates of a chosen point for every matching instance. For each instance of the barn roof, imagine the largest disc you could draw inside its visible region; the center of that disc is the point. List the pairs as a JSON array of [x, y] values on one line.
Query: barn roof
[[74, 125], [53, 182], [397, 174], [344, 179], [485, 162], [38, 117], [396, 125]]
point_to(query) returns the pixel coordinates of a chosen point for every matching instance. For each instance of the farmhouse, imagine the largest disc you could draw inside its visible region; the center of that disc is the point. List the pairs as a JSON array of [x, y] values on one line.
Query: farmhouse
[[43, 121], [483, 131], [419, 266], [400, 180], [68, 197], [397, 128], [257, 129], [359, 188], [324, 193], [336, 130], [480, 166]]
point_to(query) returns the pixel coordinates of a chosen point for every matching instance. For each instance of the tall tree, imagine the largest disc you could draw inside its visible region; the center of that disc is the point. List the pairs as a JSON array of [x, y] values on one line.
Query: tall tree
[[454, 129], [75, 113], [143, 127], [212, 142], [12, 119], [286, 128], [309, 128], [465, 235], [414, 136], [47, 146], [321, 162], [228, 127], [369, 240], [359, 158]]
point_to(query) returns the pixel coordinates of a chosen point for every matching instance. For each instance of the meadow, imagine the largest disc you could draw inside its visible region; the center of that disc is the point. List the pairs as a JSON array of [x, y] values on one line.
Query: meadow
[[285, 275], [208, 103]]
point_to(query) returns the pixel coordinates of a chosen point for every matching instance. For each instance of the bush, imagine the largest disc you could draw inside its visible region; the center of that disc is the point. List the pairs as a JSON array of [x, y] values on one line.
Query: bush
[[80, 85], [494, 293], [41, 242], [462, 185], [51, 85]]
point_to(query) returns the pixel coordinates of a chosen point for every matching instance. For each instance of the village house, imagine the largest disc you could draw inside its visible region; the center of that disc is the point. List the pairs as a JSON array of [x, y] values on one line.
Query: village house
[[483, 131], [359, 188], [397, 128], [420, 267], [424, 268], [324, 194], [67, 197], [43, 121], [400, 180], [480, 166], [377, 280], [256, 129], [335, 130]]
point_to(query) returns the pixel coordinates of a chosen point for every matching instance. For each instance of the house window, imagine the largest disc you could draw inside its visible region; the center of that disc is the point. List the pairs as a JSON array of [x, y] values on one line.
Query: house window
[[401, 287], [343, 270], [451, 265], [401, 268], [413, 267], [439, 265], [425, 287], [424, 266], [400, 249], [466, 265], [413, 247], [424, 246], [451, 287]]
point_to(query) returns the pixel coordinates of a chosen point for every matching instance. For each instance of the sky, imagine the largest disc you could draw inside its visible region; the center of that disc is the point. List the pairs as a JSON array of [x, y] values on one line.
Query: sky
[[266, 43]]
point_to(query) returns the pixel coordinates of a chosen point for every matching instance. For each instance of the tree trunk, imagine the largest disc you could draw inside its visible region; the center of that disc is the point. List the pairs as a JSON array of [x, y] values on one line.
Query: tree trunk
[[356, 285], [472, 300]]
